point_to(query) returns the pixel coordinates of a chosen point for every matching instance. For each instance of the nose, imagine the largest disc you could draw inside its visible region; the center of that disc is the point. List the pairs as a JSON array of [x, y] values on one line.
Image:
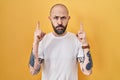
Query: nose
[[59, 21]]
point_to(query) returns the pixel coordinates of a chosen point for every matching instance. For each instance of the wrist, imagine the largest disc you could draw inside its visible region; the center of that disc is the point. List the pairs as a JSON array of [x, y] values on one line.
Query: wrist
[[85, 46], [35, 43]]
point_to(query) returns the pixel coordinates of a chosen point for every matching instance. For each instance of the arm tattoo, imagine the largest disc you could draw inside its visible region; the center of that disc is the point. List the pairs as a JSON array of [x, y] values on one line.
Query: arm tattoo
[[32, 62], [81, 59], [40, 60], [38, 66], [90, 63]]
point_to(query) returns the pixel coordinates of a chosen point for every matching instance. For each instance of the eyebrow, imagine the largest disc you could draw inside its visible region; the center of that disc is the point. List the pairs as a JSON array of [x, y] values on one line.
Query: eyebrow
[[60, 16]]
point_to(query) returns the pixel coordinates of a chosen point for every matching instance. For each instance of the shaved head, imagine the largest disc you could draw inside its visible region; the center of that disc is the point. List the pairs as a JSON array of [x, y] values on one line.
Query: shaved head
[[59, 17], [56, 6]]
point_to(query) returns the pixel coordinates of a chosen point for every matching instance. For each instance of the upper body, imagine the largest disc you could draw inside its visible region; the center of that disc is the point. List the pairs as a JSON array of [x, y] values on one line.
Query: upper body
[[59, 52], [60, 55]]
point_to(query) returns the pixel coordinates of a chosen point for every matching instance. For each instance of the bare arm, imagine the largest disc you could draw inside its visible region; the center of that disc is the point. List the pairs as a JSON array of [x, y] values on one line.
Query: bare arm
[[86, 60], [32, 63], [35, 62]]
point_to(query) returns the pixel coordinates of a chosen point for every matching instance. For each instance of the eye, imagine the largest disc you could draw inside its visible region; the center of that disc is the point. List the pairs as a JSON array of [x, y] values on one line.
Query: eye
[[56, 17], [63, 17]]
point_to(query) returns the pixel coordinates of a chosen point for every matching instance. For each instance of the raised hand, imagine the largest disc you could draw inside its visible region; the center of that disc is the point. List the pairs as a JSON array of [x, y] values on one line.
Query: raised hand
[[81, 35], [38, 34]]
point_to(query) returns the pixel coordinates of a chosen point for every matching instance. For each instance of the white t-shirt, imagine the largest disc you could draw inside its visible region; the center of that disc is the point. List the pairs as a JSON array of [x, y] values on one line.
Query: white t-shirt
[[60, 57]]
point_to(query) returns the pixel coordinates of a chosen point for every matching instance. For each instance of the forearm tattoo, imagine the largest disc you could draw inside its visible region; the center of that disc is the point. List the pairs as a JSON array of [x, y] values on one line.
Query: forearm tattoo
[[81, 59], [90, 63], [32, 62]]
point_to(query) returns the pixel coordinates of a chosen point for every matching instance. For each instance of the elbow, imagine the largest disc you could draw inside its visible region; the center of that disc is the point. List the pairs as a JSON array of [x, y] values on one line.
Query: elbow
[[32, 73], [32, 70], [88, 73]]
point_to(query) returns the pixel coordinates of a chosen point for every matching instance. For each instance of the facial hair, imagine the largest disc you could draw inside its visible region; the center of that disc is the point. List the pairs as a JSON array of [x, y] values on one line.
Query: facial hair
[[61, 30]]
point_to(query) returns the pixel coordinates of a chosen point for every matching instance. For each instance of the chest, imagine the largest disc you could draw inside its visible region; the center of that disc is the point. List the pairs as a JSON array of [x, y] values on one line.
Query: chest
[[63, 49]]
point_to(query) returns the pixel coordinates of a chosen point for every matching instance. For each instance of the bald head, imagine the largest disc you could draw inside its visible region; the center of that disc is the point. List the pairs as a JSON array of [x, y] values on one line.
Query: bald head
[[59, 18], [60, 8]]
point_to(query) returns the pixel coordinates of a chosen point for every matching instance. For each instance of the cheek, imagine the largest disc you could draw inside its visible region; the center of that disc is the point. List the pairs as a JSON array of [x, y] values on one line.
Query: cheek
[[54, 22], [65, 22]]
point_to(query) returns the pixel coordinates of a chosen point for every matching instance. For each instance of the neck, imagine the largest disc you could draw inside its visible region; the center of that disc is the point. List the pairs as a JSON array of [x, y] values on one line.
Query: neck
[[59, 35]]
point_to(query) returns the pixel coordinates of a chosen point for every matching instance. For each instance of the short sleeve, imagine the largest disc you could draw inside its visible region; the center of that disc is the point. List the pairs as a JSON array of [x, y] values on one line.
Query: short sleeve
[[80, 50], [41, 50]]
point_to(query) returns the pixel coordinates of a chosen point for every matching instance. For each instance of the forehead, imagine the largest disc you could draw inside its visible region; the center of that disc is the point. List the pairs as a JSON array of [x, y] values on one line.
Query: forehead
[[59, 11]]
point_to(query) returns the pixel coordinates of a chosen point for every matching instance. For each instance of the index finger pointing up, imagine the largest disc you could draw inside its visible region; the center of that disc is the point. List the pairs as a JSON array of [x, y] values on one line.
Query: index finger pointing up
[[38, 25], [81, 27]]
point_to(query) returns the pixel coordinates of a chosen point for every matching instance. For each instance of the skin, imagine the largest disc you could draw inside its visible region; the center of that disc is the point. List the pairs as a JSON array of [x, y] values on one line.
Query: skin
[[59, 15]]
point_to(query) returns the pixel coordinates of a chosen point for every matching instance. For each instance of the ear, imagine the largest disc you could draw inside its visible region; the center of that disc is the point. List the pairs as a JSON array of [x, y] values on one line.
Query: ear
[[49, 17], [69, 17]]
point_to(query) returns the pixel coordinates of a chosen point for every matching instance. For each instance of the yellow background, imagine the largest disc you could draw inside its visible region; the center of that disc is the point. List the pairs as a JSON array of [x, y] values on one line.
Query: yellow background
[[101, 19]]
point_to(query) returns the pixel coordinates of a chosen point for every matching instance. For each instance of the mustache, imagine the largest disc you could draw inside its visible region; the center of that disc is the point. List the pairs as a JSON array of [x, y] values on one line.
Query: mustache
[[60, 26]]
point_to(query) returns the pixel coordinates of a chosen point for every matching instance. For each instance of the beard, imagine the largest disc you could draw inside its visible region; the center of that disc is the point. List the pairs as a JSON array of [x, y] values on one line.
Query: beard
[[60, 29]]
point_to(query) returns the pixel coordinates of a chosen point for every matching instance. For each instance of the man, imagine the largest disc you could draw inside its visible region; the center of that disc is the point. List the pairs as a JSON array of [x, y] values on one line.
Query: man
[[60, 52]]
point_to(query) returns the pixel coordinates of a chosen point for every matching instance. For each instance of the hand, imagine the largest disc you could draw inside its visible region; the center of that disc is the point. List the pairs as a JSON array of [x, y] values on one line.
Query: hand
[[82, 35], [38, 34]]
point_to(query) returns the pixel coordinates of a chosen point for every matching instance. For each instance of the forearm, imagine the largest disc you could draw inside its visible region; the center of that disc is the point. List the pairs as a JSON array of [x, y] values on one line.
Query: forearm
[[34, 64], [35, 49], [86, 62], [85, 59], [34, 60]]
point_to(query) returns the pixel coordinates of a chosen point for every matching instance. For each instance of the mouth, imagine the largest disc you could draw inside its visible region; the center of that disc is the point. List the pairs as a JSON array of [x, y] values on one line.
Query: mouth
[[59, 28]]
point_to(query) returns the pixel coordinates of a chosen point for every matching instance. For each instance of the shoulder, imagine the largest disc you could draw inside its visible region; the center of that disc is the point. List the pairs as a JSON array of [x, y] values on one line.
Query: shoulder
[[75, 38], [46, 37], [72, 35]]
